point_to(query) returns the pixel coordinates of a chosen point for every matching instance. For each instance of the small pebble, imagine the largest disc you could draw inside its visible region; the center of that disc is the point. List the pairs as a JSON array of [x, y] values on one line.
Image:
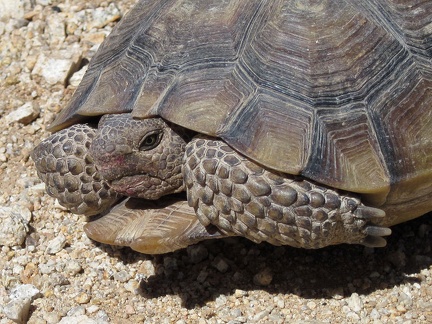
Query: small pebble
[[77, 76], [122, 276], [17, 310], [56, 69], [24, 292], [132, 286], [56, 244], [311, 305], [263, 278], [92, 309], [202, 276], [73, 267], [76, 311], [82, 298], [197, 253], [129, 309], [355, 303], [80, 319], [24, 114], [14, 225], [220, 264]]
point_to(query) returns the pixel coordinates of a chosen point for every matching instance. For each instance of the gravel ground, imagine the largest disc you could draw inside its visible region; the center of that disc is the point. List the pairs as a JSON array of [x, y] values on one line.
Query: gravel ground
[[51, 272]]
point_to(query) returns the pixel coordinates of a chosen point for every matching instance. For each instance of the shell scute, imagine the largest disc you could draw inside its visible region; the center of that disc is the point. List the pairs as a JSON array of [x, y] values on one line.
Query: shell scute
[[339, 92]]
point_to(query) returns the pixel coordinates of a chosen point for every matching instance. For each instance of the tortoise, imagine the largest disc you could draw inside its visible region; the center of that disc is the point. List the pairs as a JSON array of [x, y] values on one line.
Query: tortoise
[[301, 123]]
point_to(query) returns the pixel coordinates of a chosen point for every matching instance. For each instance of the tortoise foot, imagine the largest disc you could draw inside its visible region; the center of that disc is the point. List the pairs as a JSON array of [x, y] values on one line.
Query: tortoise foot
[[243, 198], [151, 226], [63, 163]]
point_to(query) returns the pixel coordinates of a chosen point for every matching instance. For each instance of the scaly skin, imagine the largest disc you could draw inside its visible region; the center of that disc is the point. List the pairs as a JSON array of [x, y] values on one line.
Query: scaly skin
[[224, 188], [243, 198], [65, 165], [134, 168]]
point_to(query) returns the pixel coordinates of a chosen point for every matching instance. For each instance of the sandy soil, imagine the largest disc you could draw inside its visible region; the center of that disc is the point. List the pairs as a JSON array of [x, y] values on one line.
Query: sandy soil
[[227, 281]]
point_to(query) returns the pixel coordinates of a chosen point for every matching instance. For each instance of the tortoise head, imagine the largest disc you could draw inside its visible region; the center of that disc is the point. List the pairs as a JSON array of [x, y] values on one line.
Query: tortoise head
[[140, 157]]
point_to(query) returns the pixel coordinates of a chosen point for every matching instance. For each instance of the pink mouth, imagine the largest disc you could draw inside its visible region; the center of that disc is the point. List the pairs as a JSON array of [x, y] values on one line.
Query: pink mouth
[[131, 185], [142, 186]]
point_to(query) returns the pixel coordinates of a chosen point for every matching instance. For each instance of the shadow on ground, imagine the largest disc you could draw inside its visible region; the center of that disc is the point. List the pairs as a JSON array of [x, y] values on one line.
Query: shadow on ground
[[340, 270]]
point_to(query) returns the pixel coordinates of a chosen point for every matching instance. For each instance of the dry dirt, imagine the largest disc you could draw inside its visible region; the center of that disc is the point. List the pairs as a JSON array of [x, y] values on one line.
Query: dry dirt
[[227, 281]]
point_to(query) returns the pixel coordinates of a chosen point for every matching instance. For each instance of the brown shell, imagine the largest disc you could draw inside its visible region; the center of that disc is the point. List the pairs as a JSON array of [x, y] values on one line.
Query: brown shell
[[337, 91]]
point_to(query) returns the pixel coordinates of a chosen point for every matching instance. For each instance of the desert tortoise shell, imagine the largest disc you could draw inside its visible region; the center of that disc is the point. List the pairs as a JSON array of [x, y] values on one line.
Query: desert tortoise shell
[[331, 94]]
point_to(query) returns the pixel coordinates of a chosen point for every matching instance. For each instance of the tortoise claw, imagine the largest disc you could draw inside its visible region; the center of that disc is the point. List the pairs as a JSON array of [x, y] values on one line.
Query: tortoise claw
[[369, 213], [377, 231], [374, 233], [374, 241]]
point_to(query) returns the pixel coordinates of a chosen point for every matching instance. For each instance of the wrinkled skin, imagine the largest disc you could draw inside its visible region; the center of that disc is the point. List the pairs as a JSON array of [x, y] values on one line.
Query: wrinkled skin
[[140, 158]]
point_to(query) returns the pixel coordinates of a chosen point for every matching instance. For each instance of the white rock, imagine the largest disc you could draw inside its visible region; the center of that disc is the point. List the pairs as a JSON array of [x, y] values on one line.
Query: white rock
[[221, 301], [133, 286], [37, 189], [24, 114], [13, 225], [26, 291], [46, 268], [51, 317], [76, 311], [353, 317], [58, 67], [56, 244], [259, 316], [122, 276], [102, 317], [56, 28], [17, 310], [92, 309], [355, 303], [77, 76], [12, 8], [44, 2], [374, 314], [148, 268], [73, 267], [81, 319], [21, 298], [103, 16]]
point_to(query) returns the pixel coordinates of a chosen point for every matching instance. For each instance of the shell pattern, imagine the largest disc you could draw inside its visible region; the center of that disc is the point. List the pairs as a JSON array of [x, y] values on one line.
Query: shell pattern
[[337, 91]]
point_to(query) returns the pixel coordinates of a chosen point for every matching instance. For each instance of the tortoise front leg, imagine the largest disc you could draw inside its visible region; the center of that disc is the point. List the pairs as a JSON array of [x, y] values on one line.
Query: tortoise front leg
[[65, 165], [243, 198]]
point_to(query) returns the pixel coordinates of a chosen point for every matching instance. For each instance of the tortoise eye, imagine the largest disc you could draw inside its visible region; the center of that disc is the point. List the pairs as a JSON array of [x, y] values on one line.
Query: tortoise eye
[[150, 141]]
